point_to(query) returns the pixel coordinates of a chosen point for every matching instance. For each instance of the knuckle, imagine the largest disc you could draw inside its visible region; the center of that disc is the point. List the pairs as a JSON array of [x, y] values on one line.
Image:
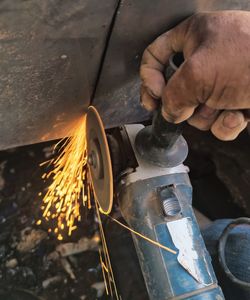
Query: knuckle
[[192, 69], [151, 47], [145, 56], [205, 23]]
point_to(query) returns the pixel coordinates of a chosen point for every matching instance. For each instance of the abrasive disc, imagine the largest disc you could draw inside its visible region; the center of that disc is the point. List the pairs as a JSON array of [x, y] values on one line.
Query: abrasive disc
[[99, 161]]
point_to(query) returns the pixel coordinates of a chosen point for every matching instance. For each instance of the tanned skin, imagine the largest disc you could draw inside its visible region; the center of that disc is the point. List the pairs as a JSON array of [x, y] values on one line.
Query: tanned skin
[[211, 89]]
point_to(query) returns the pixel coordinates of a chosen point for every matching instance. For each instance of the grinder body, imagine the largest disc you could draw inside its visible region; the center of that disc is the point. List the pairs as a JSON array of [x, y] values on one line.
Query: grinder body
[[155, 197], [156, 201]]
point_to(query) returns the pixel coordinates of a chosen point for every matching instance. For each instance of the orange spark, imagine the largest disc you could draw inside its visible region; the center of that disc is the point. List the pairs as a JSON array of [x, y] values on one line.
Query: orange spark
[[64, 195]]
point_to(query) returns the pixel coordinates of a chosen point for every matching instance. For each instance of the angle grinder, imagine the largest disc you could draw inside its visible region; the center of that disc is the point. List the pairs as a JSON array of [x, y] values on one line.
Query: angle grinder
[[142, 167]]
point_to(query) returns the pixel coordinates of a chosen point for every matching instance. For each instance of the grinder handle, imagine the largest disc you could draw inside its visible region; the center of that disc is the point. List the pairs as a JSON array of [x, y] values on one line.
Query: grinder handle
[[165, 133]]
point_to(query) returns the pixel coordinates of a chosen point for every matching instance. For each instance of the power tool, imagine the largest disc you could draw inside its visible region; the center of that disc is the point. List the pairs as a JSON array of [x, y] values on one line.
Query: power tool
[[142, 168]]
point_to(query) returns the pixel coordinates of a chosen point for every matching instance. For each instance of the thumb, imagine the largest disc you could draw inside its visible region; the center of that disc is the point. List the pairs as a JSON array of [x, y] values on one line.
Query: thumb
[[179, 98]]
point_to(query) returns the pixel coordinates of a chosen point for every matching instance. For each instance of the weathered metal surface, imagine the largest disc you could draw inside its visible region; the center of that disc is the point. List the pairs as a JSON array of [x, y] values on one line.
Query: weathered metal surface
[[137, 24], [50, 55]]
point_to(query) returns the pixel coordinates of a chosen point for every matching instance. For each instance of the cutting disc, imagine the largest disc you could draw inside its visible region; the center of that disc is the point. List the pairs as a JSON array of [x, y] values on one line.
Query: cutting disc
[[99, 161]]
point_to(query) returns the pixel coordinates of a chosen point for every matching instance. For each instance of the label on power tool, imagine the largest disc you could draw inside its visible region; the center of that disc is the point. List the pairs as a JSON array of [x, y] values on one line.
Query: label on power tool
[[190, 268], [183, 237]]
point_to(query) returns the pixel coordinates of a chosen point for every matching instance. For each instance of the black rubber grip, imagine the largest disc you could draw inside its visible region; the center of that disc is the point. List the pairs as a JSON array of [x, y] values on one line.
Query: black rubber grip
[[165, 133]]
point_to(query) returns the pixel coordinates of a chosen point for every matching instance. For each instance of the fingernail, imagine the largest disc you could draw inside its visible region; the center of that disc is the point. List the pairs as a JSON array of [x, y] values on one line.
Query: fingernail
[[233, 120]]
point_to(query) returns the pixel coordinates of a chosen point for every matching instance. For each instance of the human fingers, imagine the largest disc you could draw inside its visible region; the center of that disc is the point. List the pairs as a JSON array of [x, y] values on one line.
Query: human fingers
[[203, 118], [179, 98], [229, 125], [147, 101], [156, 57]]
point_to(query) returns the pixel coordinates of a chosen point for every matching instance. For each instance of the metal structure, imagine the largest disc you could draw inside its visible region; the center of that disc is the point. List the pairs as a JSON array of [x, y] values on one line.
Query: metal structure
[[58, 57]]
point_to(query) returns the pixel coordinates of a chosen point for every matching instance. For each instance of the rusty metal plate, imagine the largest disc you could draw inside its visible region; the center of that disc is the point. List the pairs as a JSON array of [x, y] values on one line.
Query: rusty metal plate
[[50, 55]]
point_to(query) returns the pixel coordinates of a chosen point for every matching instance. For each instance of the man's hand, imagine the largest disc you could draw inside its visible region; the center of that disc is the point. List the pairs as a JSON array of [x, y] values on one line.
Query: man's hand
[[211, 89]]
